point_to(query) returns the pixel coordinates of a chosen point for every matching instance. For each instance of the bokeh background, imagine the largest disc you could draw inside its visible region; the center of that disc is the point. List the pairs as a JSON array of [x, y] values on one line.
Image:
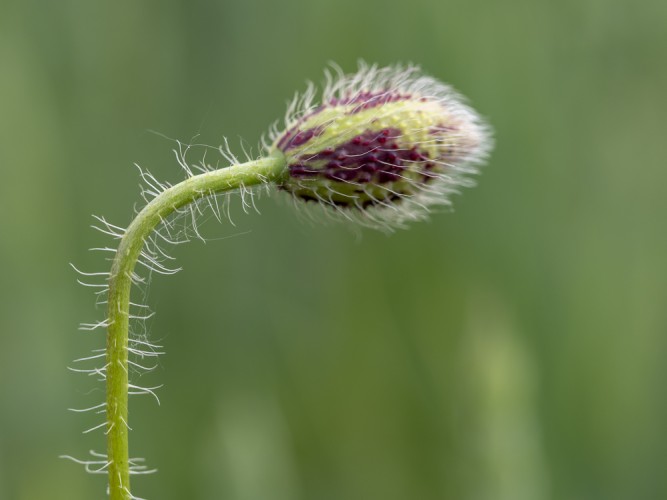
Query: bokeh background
[[512, 349]]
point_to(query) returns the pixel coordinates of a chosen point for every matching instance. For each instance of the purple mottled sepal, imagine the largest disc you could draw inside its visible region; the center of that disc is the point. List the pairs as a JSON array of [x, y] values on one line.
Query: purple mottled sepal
[[382, 147]]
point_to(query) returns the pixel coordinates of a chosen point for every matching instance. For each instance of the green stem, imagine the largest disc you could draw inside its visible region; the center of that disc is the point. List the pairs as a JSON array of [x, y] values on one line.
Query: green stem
[[267, 169]]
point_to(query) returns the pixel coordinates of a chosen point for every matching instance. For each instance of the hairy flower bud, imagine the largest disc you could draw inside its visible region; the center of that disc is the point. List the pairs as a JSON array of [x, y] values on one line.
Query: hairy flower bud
[[383, 146]]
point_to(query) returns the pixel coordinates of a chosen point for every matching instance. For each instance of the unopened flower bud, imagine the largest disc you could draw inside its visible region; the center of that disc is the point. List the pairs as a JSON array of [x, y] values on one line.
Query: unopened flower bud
[[383, 146]]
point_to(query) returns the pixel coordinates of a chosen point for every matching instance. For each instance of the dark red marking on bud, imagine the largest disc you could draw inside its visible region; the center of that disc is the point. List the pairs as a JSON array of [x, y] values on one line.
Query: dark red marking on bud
[[294, 140], [367, 100], [371, 158], [427, 173], [300, 170], [413, 155]]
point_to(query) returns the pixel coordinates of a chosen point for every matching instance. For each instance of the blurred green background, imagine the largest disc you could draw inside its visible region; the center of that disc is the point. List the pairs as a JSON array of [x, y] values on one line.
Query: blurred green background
[[513, 349]]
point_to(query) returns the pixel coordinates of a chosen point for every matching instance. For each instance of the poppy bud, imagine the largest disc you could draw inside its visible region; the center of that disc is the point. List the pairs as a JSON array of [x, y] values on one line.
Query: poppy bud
[[384, 145]]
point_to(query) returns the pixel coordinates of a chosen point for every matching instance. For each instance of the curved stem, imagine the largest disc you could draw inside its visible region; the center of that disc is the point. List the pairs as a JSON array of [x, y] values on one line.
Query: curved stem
[[247, 174]]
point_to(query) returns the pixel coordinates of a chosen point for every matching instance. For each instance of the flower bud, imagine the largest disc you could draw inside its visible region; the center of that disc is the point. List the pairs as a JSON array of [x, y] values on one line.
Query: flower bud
[[384, 145]]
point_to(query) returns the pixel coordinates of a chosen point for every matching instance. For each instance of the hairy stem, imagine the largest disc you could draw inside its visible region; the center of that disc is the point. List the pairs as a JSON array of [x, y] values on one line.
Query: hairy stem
[[243, 175]]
